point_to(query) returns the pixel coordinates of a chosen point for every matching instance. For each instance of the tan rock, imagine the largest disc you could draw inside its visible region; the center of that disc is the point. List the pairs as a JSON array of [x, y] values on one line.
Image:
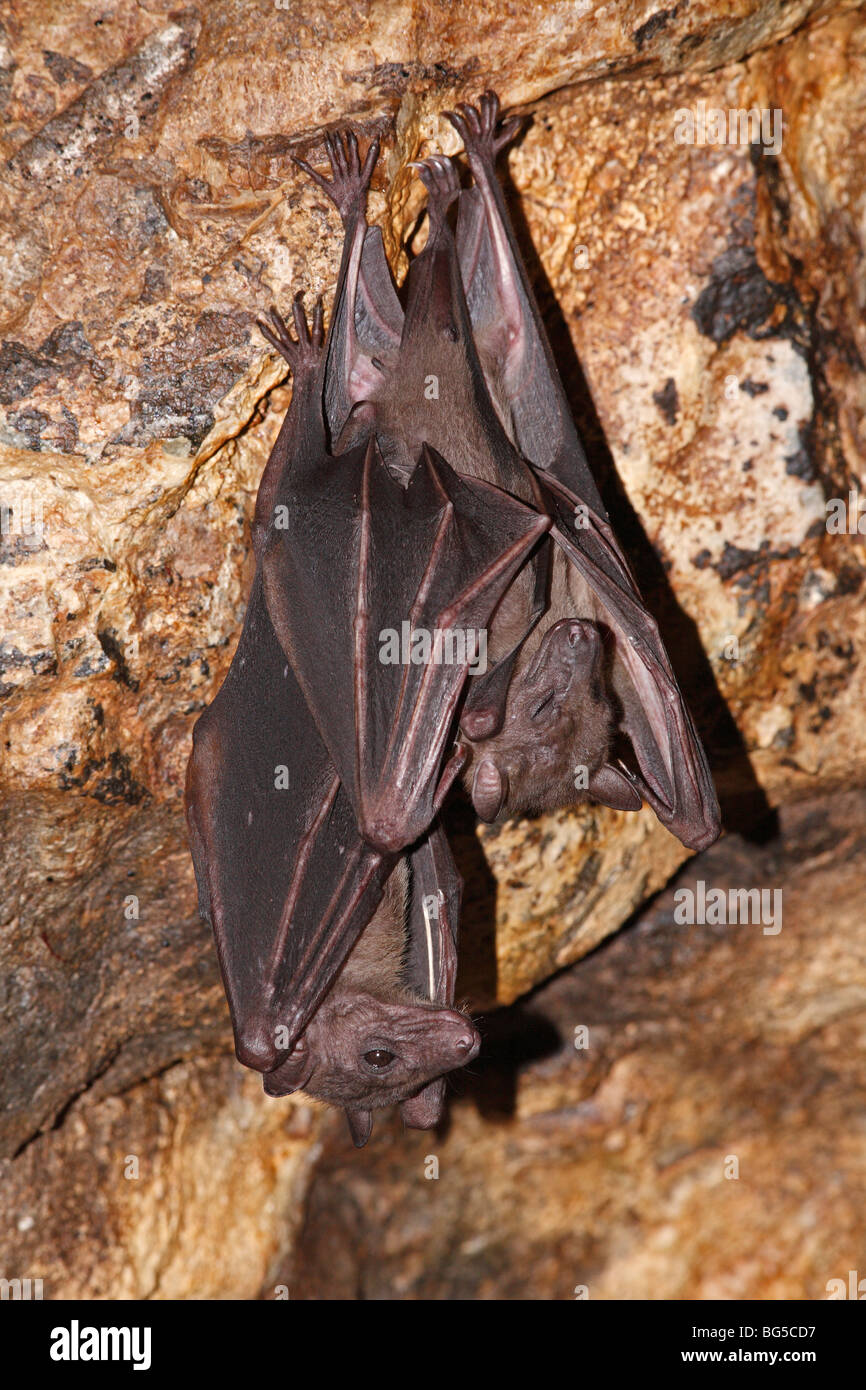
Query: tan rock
[[678, 1117], [706, 306]]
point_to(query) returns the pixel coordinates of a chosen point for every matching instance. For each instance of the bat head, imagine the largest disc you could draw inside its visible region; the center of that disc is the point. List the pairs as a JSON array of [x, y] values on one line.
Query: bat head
[[374, 1040], [364, 1053], [557, 730]]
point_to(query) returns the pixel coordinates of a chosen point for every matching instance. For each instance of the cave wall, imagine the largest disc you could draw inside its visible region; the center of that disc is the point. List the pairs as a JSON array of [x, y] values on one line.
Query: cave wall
[[705, 302]]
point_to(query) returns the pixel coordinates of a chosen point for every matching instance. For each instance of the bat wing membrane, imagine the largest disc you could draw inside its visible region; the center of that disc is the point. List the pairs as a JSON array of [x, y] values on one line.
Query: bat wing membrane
[[392, 567], [366, 327], [506, 322], [673, 775], [284, 877]]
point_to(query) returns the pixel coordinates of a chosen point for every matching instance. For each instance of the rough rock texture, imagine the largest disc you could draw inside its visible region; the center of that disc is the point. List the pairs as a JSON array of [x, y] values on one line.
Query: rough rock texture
[[707, 1138], [706, 305], [188, 1186]]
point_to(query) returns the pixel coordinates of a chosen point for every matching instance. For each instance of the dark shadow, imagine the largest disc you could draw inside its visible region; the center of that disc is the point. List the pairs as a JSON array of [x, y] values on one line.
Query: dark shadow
[[512, 1038]]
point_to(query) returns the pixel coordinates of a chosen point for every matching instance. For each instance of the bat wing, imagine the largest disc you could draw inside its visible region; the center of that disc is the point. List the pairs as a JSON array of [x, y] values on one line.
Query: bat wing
[[673, 775], [377, 593], [505, 318], [378, 312], [366, 327], [283, 875], [367, 319], [431, 959]]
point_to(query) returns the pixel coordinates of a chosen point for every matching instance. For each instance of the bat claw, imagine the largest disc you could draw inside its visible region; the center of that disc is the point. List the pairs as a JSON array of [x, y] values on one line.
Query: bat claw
[[304, 353], [350, 180], [477, 126], [439, 177]]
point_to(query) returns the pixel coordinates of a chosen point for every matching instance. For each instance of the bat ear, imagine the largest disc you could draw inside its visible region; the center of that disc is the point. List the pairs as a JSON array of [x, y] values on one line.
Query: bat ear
[[360, 1126], [489, 790], [611, 787], [424, 1111]]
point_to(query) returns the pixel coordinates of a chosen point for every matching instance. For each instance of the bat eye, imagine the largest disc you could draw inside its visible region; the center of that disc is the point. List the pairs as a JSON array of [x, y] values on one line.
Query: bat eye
[[379, 1058], [542, 704]]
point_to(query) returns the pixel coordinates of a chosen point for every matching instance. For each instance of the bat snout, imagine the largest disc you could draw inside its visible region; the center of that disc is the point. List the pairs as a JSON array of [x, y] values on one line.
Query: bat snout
[[569, 646], [461, 1035], [570, 651]]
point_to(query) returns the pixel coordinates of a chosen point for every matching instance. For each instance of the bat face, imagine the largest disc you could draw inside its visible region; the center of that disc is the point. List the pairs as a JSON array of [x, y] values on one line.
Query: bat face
[[559, 720], [365, 1053]]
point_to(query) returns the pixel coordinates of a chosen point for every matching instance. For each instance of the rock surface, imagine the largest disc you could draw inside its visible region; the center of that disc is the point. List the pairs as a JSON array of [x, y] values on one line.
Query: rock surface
[[681, 1116], [706, 305]]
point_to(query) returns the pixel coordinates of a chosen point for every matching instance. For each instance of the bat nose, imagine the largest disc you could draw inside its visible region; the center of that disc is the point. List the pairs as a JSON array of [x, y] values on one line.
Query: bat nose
[[571, 647], [467, 1043], [577, 632], [460, 1035]]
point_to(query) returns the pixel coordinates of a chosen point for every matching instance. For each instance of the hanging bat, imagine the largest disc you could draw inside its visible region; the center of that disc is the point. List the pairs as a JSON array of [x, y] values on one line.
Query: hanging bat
[[412, 486], [360, 1018], [593, 677], [385, 1032]]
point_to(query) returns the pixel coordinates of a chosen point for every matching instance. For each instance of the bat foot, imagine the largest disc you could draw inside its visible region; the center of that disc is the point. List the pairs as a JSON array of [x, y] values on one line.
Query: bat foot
[[305, 352], [439, 177], [350, 179], [477, 127]]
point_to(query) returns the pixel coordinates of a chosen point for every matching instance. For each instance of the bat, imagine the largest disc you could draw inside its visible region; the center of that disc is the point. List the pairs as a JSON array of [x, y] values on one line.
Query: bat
[[289, 885], [583, 703], [385, 1032], [593, 705], [427, 490]]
